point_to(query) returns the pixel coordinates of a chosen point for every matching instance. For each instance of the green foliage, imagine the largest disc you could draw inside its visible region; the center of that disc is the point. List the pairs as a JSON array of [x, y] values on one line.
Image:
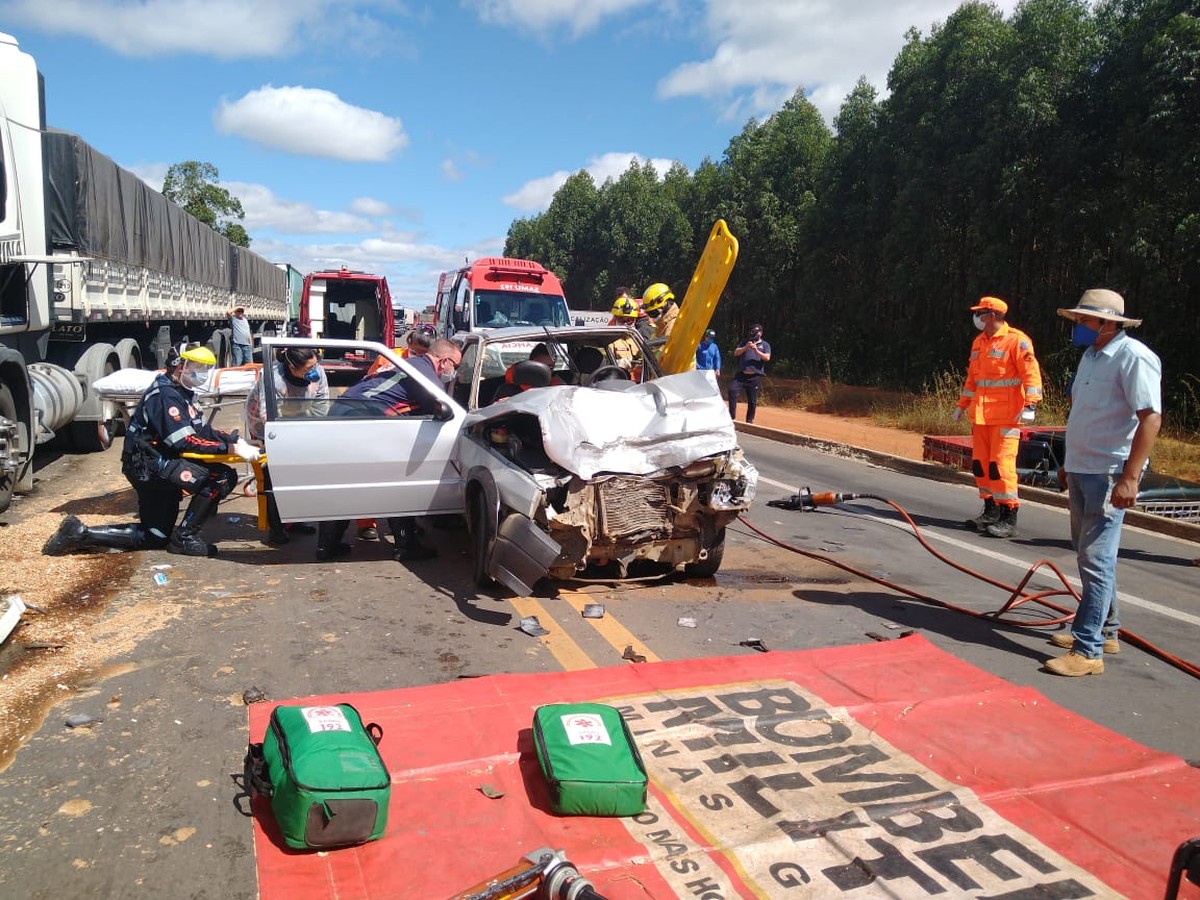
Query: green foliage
[[193, 186], [1029, 158]]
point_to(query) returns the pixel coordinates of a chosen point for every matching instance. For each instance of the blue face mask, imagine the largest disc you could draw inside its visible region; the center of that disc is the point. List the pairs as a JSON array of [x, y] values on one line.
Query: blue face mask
[[1082, 336], [312, 375]]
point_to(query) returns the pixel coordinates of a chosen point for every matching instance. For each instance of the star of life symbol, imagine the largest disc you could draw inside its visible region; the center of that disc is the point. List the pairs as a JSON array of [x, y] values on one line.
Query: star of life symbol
[[585, 728]]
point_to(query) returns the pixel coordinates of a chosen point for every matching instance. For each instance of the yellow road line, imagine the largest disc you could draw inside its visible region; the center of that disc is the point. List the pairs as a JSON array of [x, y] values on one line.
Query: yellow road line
[[568, 653], [609, 628]]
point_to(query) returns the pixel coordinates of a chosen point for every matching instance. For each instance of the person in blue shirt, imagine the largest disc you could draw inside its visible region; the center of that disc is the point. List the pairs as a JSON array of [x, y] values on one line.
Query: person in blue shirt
[[1116, 413], [749, 367], [708, 354]]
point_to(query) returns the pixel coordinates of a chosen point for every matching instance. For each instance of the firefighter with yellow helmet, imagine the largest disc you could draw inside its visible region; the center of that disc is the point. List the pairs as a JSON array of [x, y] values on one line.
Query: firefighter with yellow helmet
[[624, 351], [658, 302], [165, 426]]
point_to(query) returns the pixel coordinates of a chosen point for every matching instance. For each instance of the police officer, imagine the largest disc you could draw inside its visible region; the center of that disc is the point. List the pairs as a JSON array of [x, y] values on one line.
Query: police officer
[[166, 425]]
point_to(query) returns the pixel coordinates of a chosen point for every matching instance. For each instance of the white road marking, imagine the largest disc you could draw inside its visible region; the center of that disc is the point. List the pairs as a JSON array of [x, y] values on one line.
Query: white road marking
[[1128, 599]]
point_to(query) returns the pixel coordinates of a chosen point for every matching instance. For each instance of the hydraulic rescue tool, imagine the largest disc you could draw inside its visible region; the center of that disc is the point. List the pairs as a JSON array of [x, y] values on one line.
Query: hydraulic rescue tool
[[544, 874]]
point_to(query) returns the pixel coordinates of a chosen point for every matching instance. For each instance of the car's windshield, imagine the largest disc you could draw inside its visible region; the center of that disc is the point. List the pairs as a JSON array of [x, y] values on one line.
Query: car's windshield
[[499, 309], [574, 359]]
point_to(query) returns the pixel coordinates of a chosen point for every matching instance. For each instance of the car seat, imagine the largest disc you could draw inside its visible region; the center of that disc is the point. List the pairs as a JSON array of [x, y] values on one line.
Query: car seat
[[588, 360], [523, 376]]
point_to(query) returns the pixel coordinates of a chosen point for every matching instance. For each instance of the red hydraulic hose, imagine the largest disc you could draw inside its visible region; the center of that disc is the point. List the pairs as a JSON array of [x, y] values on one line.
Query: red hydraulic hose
[[1017, 595]]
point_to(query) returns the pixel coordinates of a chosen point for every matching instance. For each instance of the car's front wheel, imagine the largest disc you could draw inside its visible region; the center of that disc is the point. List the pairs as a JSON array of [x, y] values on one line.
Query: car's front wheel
[[707, 567], [483, 534]]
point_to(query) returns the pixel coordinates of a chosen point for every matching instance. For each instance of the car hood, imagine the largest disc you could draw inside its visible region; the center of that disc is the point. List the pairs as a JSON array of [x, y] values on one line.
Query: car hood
[[635, 429]]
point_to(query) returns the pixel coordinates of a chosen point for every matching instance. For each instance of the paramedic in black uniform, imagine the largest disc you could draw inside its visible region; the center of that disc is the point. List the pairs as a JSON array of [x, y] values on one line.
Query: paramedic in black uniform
[[165, 425]]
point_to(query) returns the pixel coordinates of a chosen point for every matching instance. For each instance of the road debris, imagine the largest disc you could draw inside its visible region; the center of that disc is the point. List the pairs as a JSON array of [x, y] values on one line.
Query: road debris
[[686, 622], [593, 611], [754, 644], [82, 720], [253, 695], [632, 655], [492, 793], [532, 627]]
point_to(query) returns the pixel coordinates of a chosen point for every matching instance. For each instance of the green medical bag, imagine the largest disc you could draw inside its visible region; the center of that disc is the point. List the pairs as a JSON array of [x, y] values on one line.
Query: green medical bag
[[322, 770], [589, 760]]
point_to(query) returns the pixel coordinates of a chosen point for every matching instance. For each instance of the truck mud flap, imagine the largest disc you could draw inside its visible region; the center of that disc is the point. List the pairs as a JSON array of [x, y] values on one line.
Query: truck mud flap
[[522, 554]]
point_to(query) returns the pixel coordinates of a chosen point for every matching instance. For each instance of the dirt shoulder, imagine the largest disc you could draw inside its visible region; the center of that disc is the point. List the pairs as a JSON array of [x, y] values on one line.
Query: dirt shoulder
[[857, 432]]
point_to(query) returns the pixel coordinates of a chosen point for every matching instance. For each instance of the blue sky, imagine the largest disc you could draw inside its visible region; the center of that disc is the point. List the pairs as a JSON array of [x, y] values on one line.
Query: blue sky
[[402, 137]]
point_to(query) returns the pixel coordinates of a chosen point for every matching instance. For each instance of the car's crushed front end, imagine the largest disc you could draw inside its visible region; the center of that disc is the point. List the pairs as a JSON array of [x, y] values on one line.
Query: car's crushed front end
[[636, 479]]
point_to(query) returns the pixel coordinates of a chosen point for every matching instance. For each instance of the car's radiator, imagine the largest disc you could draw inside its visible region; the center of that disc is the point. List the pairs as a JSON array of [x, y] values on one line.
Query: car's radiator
[[633, 506]]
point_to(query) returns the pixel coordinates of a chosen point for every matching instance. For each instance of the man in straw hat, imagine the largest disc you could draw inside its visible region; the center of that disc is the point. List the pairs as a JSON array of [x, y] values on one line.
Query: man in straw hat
[[1116, 411]]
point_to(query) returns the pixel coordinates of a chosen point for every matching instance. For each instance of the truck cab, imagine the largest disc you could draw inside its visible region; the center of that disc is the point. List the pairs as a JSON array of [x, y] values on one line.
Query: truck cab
[[346, 305], [499, 292]]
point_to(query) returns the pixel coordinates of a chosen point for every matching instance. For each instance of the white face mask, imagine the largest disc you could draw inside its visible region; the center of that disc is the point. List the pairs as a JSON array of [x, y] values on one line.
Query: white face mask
[[979, 321]]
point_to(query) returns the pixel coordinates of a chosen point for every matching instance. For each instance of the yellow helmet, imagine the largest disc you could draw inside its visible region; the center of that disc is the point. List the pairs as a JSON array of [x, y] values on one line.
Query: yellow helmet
[[656, 297], [625, 308], [199, 353]]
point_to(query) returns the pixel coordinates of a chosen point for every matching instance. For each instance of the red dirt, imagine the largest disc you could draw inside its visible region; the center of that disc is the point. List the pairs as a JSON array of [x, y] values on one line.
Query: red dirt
[[857, 432]]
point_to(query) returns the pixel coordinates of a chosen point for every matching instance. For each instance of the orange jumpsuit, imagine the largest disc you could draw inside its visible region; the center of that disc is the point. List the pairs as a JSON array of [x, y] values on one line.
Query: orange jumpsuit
[[1003, 377]]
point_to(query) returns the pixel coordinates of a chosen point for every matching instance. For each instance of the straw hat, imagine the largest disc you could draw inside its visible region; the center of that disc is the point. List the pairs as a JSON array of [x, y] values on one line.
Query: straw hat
[[1103, 304]]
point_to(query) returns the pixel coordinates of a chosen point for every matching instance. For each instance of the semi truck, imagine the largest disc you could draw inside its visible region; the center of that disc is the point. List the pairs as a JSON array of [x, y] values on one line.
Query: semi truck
[[496, 292], [98, 272]]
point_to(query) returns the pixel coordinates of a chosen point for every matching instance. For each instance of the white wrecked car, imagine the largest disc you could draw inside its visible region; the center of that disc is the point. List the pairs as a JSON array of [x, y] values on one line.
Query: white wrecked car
[[609, 471]]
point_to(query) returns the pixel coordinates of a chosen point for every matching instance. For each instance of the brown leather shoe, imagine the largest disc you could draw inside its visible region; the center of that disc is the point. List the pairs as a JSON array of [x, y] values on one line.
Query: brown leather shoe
[[1065, 640], [1072, 664]]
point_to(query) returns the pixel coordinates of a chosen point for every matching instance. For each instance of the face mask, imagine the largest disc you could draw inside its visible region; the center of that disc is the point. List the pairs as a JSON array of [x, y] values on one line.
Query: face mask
[[192, 378], [1082, 336], [979, 321]]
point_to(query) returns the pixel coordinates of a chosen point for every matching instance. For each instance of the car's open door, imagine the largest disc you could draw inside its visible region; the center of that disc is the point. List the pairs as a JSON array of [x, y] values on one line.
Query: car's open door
[[341, 460]]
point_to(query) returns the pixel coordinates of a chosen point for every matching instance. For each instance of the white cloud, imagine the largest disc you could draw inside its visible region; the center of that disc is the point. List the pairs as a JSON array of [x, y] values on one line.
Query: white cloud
[[369, 206], [535, 195], [312, 122], [450, 171], [544, 15], [765, 49], [266, 211], [227, 29]]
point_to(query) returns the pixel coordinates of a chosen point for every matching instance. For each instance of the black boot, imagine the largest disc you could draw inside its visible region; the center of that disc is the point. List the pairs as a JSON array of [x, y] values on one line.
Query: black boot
[[408, 545], [73, 535], [329, 541], [185, 539], [989, 516], [1006, 525]]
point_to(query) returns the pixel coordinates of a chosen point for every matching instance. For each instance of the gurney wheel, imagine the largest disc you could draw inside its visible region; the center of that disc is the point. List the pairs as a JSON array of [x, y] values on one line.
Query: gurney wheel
[[250, 489]]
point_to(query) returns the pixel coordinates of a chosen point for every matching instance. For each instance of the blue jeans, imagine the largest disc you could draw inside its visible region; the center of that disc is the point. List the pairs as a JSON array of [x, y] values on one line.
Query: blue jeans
[[242, 354], [1096, 537]]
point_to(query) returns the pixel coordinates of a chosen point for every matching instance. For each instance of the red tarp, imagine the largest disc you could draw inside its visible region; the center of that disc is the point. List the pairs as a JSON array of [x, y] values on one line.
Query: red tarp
[[888, 769]]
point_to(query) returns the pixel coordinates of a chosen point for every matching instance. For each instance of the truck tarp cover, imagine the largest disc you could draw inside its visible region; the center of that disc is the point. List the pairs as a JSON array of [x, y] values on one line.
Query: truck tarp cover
[[98, 209]]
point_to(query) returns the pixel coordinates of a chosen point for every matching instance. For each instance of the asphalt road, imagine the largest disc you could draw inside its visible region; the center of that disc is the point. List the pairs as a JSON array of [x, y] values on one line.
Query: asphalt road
[[146, 803]]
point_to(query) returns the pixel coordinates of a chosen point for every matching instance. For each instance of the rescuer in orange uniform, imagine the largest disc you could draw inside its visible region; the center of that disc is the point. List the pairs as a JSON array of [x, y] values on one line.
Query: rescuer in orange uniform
[[1001, 393]]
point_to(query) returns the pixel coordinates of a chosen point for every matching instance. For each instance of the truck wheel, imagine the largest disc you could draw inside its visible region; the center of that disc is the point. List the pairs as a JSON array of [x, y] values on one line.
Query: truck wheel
[[483, 534], [707, 567], [96, 436], [8, 410]]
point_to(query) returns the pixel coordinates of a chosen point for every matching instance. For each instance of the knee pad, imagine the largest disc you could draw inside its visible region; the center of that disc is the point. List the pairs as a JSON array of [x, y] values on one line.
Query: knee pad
[[976, 468]]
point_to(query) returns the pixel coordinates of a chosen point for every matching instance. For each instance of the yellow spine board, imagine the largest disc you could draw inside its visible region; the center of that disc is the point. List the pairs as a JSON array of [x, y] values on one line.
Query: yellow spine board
[[708, 281]]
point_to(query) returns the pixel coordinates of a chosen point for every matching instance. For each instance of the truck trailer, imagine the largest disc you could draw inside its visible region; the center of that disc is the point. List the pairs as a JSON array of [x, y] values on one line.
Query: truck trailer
[[98, 272]]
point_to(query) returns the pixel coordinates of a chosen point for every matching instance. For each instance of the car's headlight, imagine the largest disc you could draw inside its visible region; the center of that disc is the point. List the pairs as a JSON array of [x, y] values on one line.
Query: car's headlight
[[736, 487]]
